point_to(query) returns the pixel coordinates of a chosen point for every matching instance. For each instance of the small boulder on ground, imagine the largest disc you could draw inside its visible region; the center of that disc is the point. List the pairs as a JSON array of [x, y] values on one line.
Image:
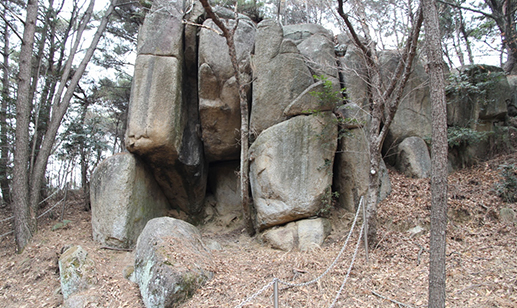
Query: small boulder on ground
[[76, 271], [304, 234], [171, 262], [413, 158]]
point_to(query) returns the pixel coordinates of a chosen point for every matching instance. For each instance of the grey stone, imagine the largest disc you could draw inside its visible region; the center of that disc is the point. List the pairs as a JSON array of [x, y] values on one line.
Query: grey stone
[[413, 158], [225, 185], [76, 271], [352, 115], [171, 262], [162, 130], [283, 238], [219, 102], [279, 77], [508, 215], [319, 51], [467, 109], [312, 232], [352, 171], [303, 234], [291, 168], [300, 32], [124, 196], [159, 33], [307, 102]]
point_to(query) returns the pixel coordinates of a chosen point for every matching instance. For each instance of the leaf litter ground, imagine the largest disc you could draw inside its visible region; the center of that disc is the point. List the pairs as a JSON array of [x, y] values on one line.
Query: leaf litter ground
[[481, 256]]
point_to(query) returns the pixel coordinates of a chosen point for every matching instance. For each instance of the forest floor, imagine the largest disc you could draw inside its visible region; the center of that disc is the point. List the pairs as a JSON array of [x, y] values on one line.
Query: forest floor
[[481, 256]]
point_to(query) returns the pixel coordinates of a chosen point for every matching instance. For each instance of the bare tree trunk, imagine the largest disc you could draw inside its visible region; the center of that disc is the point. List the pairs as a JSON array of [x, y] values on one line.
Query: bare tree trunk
[[439, 157], [61, 102], [383, 100], [24, 215], [244, 168], [4, 147]]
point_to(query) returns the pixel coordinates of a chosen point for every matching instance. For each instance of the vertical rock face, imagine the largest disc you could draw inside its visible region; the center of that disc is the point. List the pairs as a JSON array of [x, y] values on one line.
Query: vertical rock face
[[291, 168], [163, 119], [280, 75], [352, 170], [218, 91], [489, 103], [124, 196]]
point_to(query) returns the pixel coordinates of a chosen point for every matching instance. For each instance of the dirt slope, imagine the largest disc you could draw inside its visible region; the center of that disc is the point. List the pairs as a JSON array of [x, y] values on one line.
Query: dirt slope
[[481, 256]]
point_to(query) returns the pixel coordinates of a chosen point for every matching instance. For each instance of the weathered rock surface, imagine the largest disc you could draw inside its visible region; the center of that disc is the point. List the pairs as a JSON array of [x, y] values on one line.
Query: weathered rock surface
[[413, 116], [224, 183], [124, 196], [291, 168], [164, 18], [307, 102], [162, 120], [352, 170], [76, 271], [413, 158], [280, 74], [315, 43], [218, 91], [471, 109], [171, 262], [352, 115], [304, 234]]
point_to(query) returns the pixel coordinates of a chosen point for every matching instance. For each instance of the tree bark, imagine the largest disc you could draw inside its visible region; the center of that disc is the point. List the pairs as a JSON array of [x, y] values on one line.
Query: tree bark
[[383, 104], [437, 276], [4, 146], [244, 167], [61, 102], [24, 215]]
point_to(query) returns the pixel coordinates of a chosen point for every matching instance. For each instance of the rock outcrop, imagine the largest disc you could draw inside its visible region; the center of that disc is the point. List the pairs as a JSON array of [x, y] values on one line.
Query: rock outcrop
[[124, 196], [171, 262], [162, 125], [291, 168], [219, 107], [352, 170], [280, 76]]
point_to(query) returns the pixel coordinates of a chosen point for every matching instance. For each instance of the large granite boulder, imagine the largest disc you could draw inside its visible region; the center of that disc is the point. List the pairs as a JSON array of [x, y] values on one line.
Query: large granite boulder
[[413, 116], [484, 98], [291, 168], [352, 70], [280, 76], [352, 170], [303, 234], [171, 262], [124, 196], [76, 271], [316, 45], [413, 158], [163, 123], [219, 105]]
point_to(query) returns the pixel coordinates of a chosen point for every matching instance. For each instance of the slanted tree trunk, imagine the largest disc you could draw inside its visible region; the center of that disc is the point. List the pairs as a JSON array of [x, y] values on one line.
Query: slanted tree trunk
[[244, 167], [62, 101], [383, 102], [24, 215], [438, 156]]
